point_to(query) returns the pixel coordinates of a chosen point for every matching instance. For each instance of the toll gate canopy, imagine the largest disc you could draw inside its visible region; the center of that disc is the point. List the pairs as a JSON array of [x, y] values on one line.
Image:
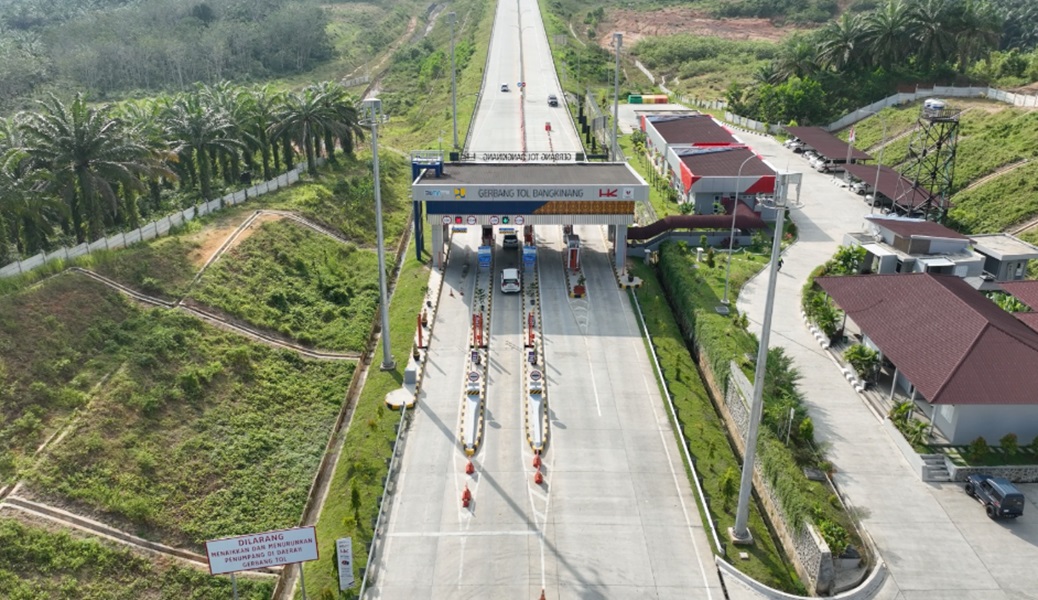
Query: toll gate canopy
[[459, 195], [530, 194]]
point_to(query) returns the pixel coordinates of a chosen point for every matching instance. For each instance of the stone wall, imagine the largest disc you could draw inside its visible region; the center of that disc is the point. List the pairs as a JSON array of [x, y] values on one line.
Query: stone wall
[[811, 556], [1019, 474]]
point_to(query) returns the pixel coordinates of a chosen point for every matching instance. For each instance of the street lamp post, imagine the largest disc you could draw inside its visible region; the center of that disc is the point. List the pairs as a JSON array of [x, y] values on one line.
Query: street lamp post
[[731, 237], [373, 116], [618, 40], [879, 163], [452, 18], [740, 534]]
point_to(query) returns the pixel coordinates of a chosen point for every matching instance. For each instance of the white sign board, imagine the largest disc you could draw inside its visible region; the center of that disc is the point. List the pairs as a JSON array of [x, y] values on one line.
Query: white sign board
[[344, 547], [260, 550]]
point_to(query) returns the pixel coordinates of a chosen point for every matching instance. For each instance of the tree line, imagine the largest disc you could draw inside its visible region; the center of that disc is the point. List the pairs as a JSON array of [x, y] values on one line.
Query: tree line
[[155, 44], [862, 56], [70, 172]]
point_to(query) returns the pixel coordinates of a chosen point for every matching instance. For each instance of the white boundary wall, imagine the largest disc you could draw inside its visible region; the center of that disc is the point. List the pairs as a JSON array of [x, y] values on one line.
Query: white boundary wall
[[156, 228], [864, 112]]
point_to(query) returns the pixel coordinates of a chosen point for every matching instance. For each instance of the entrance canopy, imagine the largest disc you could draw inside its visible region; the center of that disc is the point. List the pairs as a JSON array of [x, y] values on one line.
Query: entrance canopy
[[531, 194]]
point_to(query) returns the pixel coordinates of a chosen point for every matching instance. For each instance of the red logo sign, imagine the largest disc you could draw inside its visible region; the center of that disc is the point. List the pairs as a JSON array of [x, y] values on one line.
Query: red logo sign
[[607, 193]]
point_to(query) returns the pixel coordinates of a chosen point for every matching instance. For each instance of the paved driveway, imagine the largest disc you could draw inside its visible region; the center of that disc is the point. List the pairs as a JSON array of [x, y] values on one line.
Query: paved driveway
[[936, 541]]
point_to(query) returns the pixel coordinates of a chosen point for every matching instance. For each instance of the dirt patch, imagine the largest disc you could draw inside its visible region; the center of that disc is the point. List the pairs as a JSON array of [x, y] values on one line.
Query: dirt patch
[[673, 20], [211, 238]]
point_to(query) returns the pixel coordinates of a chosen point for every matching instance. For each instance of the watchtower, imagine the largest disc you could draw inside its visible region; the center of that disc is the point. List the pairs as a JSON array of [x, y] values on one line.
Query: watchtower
[[930, 163]]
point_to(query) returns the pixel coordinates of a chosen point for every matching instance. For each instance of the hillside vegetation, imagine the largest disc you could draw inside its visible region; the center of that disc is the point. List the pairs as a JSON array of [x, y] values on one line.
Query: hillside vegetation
[[992, 135], [182, 433], [290, 279]]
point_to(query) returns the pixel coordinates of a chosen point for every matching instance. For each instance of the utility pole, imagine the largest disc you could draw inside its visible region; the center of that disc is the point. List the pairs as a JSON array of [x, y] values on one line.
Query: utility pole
[[740, 533], [617, 39], [373, 116], [452, 18]]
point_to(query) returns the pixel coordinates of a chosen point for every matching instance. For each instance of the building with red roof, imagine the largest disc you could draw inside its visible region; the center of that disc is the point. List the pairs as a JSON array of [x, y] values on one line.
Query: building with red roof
[[971, 366]]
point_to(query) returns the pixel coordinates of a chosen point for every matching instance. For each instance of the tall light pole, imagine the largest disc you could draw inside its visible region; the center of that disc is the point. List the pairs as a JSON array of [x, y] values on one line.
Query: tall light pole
[[879, 163], [452, 18], [731, 237], [373, 116], [618, 39], [740, 534]]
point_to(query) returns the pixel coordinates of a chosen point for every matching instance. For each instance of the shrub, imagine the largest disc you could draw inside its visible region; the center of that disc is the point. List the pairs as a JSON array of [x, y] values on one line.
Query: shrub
[[865, 360], [1010, 445], [978, 449]]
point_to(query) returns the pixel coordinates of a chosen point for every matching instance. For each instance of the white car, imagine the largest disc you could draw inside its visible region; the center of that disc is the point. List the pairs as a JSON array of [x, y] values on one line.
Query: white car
[[510, 282], [504, 87]]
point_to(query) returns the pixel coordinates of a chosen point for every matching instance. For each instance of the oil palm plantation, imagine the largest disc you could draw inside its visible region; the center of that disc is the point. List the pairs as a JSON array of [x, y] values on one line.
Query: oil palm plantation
[[307, 116], [90, 158], [199, 133], [842, 44], [888, 32]]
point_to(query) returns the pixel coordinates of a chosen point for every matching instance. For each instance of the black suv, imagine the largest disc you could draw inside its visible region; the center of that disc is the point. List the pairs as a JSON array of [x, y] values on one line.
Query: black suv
[[1000, 498]]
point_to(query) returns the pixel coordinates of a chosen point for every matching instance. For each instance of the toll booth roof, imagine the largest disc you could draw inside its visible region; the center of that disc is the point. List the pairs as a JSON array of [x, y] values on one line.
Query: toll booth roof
[[826, 144], [691, 129], [532, 174]]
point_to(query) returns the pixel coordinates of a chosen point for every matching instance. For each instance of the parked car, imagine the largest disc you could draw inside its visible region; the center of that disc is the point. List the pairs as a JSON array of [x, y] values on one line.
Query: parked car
[[504, 87], [553, 100], [510, 282], [1001, 499], [510, 240], [860, 188], [878, 199], [810, 154]]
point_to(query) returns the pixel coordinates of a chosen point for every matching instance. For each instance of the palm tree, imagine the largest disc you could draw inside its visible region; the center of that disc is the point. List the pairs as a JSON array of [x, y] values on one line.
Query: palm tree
[[932, 29], [233, 102], [144, 118], [887, 33], [796, 58], [198, 134], [89, 156], [304, 118], [842, 42], [977, 28], [261, 107]]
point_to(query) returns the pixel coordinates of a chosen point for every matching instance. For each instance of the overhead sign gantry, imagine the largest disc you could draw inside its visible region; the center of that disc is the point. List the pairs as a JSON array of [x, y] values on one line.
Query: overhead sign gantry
[[470, 194]]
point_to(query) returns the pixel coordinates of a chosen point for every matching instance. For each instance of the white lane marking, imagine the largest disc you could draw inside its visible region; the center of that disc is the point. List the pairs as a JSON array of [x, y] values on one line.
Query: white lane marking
[[591, 374], [670, 462], [441, 534]]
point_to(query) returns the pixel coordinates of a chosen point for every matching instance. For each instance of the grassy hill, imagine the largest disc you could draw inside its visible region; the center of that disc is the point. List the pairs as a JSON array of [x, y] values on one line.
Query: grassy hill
[[992, 136]]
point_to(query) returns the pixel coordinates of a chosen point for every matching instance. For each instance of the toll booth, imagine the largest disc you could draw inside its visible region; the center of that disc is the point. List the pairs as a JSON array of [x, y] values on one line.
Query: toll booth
[[488, 235], [528, 235], [573, 252]]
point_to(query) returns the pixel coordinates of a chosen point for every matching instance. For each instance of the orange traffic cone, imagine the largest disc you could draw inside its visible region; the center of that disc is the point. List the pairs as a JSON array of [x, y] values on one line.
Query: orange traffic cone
[[469, 469], [537, 461], [542, 595], [466, 497], [538, 478]]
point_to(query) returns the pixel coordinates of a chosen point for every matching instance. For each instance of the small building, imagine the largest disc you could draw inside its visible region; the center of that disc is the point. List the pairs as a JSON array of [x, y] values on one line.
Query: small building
[[970, 366], [1005, 256], [899, 245]]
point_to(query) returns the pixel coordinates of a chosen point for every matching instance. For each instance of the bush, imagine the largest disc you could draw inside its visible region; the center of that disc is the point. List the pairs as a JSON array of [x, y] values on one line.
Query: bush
[[978, 449], [1010, 445], [865, 360]]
